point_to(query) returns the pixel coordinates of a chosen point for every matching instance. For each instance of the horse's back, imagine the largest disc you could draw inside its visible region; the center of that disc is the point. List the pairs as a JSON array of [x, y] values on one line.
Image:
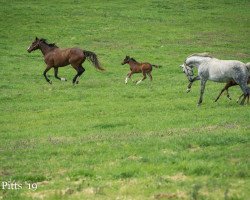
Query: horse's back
[[63, 57], [225, 70]]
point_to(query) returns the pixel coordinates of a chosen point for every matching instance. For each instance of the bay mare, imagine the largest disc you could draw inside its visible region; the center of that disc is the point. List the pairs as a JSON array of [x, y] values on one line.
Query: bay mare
[[56, 57], [210, 68]]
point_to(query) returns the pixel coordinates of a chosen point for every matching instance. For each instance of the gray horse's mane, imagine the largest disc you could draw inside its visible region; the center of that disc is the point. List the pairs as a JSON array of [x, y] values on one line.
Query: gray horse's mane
[[205, 54]]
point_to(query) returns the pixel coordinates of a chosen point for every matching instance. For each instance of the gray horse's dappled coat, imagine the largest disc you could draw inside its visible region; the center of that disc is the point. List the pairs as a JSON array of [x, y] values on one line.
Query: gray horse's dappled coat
[[210, 68]]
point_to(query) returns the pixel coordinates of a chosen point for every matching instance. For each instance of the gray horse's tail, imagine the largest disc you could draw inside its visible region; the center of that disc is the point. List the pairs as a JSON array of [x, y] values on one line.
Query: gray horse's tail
[[248, 68], [92, 57]]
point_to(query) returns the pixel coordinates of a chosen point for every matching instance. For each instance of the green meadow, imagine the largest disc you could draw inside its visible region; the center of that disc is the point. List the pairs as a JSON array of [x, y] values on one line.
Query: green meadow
[[102, 139]]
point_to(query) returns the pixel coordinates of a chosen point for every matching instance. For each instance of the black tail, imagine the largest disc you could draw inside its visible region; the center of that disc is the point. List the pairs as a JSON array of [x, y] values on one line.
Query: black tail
[[157, 66], [92, 57]]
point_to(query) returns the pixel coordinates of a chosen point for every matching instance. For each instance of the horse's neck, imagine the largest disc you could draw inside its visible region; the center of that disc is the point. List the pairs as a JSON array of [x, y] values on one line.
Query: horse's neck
[[196, 61], [45, 48], [133, 63]]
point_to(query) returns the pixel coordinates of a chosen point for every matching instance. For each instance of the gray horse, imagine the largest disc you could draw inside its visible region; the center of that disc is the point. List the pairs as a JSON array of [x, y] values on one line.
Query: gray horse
[[210, 68]]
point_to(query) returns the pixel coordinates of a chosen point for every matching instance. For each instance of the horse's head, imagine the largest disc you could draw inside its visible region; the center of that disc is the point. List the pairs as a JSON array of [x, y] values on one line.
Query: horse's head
[[187, 70], [35, 45], [126, 60]]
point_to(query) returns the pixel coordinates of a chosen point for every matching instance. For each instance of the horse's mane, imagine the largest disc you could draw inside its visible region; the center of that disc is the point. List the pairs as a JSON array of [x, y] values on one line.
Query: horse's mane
[[133, 59], [49, 44], [205, 54]]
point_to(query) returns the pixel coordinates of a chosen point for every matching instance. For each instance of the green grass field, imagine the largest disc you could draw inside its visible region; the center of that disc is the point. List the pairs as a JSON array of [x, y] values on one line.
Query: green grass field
[[103, 139]]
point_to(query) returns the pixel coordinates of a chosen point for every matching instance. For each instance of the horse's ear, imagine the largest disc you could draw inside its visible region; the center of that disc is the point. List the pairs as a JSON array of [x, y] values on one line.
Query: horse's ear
[[36, 38]]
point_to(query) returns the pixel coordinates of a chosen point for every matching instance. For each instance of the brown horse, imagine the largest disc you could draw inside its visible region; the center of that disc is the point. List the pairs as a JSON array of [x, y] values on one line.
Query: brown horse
[[228, 85], [55, 57], [136, 67]]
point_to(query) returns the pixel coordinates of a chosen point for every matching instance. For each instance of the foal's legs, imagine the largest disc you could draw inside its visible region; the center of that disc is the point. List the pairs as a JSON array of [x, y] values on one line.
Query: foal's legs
[[44, 73], [203, 84], [128, 77], [240, 97], [228, 85], [191, 83], [143, 78], [150, 76], [244, 88], [56, 74], [80, 71]]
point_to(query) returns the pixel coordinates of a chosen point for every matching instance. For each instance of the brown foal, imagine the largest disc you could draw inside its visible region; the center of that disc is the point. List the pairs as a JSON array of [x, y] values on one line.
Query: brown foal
[[136, 67], [228, 85], [55, 57]]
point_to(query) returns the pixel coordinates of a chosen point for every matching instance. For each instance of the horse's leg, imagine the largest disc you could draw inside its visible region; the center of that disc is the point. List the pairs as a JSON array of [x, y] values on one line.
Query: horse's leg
[[150, 75], [143, 78], [228, 85], [56, 74], [128, 77], [242, 81], [203, 84], [240, 98], [44, 73], [80, 71], [191, 83]]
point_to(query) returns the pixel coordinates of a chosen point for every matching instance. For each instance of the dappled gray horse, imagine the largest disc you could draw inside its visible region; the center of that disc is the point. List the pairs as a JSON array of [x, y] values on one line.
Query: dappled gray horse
[[210, 68]]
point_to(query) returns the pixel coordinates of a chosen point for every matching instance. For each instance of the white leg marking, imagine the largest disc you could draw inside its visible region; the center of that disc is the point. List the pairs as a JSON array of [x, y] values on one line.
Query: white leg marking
[[63, 79], [138, 82], [126, 80]]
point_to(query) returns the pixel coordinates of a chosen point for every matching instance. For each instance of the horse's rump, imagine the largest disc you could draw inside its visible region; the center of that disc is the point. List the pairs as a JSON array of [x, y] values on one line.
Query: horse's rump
[[248, 67]]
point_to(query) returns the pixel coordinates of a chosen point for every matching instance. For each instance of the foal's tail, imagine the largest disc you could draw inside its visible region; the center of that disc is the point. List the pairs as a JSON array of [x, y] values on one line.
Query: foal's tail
[[157, 66], [92, 57]]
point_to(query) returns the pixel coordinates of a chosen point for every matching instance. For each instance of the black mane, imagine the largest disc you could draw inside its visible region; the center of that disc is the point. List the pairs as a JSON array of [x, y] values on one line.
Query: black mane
[[49, 44], [133, 59]]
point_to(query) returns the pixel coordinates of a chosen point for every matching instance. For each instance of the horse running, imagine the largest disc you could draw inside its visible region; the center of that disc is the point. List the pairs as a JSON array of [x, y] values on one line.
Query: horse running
[[210, 68], [136, 67], [55, 57], [228, 85]]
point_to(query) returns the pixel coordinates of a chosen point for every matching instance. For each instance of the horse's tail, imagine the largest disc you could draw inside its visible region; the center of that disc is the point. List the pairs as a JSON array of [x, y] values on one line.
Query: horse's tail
[[92, 57], [157, 66], [248, 66]]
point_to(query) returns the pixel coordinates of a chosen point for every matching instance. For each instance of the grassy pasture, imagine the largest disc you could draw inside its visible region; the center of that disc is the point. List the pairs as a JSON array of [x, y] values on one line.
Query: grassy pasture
[[103, 139]]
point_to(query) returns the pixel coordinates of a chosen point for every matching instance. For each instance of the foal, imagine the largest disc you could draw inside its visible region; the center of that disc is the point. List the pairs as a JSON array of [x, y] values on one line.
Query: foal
[[55, 57], [228, 85], [136, 67]]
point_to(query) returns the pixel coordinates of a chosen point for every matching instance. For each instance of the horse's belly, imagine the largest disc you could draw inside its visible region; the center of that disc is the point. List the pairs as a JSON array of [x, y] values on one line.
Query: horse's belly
[[220, 79], [61, 62]]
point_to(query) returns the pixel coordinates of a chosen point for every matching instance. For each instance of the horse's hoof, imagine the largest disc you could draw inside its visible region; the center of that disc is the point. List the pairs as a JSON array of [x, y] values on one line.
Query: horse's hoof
[[50, 82], [63, 79], [77, 82], [188, 90]]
